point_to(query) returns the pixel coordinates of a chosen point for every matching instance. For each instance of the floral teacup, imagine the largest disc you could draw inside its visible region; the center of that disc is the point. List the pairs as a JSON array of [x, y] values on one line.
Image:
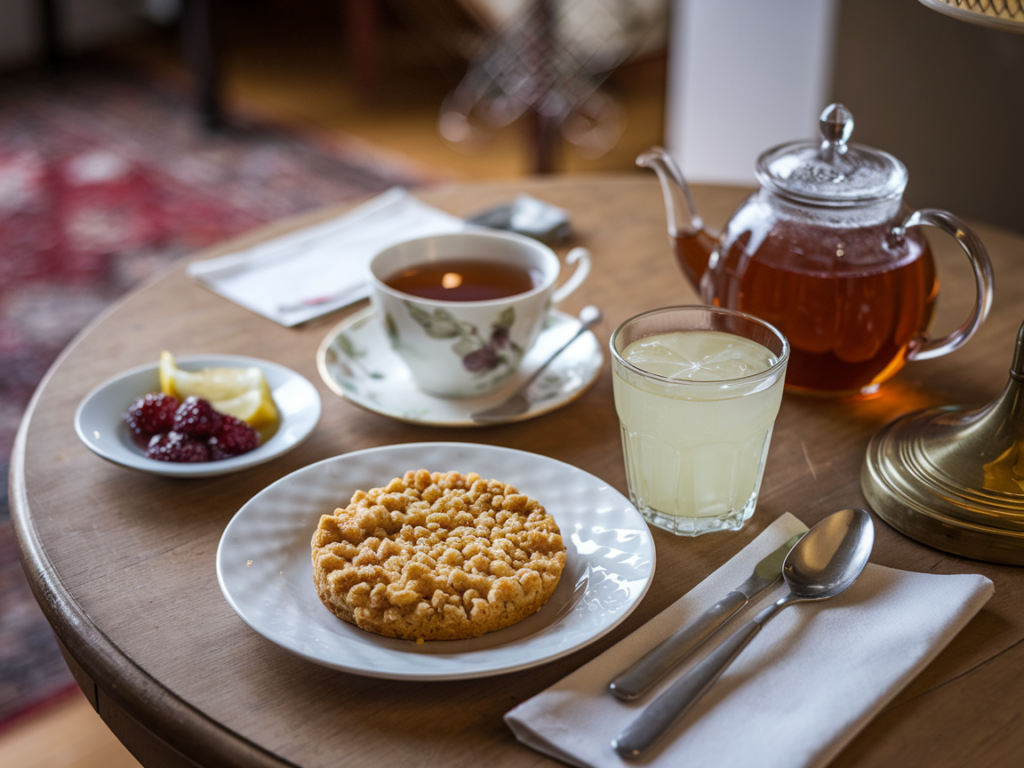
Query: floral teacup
[[466, 347]]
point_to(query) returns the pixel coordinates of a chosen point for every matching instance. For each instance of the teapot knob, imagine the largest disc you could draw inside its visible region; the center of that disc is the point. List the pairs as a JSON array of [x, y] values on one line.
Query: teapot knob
[[836, 126]]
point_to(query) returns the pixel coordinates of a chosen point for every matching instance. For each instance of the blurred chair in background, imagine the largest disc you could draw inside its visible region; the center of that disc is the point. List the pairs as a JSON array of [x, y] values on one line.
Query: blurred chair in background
[[542, 60], [545, 61]]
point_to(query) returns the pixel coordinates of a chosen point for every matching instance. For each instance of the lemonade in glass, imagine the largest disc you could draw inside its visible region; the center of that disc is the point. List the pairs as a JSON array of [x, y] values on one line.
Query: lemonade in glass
[[697, 390]]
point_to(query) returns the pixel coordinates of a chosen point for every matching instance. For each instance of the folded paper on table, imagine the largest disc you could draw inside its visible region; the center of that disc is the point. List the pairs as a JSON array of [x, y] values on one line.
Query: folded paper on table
[[323, 267], [810, 680]]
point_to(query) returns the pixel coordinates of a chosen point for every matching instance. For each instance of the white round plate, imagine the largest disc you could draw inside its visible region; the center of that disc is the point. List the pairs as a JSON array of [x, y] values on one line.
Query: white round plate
[[266, 574], [99, 420], [356, 361]]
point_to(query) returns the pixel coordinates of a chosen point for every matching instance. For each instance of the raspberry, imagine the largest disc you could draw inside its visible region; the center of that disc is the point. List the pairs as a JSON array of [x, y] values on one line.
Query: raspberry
[[174, 446], [234, 438], [197, 418], [151, 414]]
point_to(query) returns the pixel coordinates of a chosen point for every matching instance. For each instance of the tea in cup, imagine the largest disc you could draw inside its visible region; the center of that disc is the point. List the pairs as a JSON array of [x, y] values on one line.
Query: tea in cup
[[463, 309]]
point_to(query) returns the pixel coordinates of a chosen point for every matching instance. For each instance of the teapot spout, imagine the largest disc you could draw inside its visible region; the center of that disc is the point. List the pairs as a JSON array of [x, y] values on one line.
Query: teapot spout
[[692, 244]]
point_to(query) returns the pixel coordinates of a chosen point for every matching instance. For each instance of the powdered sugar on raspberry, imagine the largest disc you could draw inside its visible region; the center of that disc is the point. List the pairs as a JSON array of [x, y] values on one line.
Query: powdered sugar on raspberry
[[187, 432]]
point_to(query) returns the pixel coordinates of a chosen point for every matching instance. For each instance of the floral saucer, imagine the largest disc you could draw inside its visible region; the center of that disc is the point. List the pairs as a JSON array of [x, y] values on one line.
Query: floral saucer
[[356, 361]]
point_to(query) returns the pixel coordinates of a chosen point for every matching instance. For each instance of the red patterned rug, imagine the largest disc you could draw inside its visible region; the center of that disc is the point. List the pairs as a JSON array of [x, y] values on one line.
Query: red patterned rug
[[105, 179]]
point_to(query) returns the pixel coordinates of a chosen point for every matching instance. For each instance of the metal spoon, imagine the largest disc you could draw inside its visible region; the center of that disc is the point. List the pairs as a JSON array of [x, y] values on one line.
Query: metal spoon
[[825, 562], [518, 402]]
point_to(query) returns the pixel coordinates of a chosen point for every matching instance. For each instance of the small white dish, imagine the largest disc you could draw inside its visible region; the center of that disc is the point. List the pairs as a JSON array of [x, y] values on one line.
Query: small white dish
[[266, 575], [357, 362], [99, 420]]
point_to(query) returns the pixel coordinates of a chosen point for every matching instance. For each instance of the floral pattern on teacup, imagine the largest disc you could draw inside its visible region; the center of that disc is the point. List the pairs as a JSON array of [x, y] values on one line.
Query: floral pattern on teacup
[[354, 355], [480, 354]]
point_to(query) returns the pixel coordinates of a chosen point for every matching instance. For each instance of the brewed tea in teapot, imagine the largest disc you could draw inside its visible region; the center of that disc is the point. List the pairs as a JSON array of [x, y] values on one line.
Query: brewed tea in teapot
[[826, 252]]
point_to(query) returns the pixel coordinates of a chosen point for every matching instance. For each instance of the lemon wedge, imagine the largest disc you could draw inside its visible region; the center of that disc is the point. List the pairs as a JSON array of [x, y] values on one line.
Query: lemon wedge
[[239, 392], [251, 407], [168, 369]]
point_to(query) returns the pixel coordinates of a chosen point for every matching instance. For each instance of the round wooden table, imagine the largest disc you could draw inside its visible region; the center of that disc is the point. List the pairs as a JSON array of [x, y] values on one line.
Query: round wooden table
[[123, 563]]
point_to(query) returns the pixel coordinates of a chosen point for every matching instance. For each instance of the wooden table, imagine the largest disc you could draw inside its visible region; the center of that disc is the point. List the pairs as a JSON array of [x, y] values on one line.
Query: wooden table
[[123, 562]]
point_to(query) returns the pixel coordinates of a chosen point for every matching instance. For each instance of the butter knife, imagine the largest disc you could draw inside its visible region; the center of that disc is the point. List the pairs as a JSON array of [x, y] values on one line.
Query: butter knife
[[658, 662]]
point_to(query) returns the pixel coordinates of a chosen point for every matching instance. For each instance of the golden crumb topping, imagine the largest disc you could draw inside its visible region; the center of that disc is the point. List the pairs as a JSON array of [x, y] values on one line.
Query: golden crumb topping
[[439, 556]]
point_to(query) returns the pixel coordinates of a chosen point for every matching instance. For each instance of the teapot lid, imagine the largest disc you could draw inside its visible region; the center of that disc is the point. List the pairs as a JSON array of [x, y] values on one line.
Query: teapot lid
[[832, 173]]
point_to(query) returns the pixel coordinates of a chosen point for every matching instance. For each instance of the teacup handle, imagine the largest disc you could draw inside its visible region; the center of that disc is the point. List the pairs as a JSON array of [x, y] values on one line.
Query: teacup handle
[[983, 279], [581, 255]]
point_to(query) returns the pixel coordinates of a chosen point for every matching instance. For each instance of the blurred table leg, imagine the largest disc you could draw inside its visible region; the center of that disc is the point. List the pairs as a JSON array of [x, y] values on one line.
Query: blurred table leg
[[363, 17], [202, 59]]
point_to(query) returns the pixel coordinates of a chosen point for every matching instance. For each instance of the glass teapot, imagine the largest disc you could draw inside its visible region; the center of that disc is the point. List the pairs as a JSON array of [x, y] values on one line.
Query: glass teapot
[[826, 251]]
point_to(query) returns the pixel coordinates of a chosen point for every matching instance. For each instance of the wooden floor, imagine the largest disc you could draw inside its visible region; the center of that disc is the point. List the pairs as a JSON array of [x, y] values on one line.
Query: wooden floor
[[68, 734], [295, 73]]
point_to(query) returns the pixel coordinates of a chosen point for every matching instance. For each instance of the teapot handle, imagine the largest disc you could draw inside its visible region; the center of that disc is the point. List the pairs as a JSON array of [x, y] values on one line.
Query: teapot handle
[[983, 278]]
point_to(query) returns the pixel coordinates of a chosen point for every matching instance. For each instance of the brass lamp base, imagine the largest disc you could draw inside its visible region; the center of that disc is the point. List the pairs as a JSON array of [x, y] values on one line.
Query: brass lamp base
[[953, 478], [949, 477]]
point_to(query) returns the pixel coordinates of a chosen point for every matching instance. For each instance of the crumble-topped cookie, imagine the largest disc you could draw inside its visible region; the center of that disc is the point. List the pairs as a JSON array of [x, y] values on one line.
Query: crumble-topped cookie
[[439, 556]]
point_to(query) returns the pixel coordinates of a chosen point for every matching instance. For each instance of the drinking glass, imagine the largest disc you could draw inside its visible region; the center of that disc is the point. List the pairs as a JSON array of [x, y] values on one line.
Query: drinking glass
[[695, 434]]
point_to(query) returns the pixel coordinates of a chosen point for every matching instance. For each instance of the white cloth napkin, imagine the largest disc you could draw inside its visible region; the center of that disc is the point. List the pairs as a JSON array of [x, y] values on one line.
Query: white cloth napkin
[[808, 682], [321, 268]]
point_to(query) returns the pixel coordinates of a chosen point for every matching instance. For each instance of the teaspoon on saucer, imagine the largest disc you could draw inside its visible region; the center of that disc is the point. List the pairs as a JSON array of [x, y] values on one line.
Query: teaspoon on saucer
[[518, 402], [823, 564]]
